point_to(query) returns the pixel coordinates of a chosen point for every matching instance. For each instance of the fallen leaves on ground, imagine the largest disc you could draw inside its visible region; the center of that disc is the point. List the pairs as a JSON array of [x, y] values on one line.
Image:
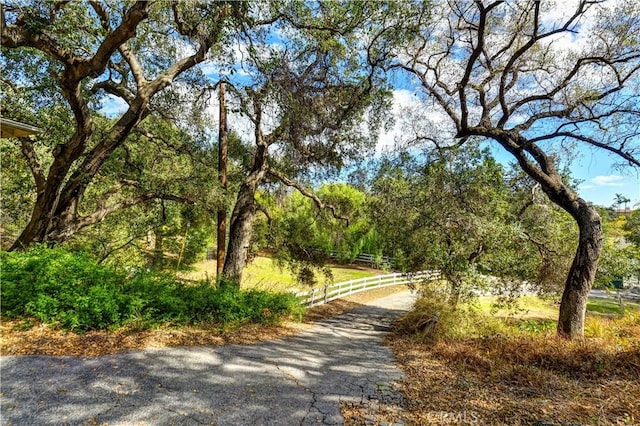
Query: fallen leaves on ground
[[370, 413], [45, 340], [520, 381]]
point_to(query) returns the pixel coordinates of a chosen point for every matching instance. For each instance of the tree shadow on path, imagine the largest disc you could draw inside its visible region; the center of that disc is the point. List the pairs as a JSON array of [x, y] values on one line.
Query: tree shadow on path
[[298, 380]]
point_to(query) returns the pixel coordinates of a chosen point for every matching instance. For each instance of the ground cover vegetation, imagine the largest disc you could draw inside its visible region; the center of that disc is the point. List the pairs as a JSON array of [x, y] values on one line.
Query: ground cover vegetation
[[71, 291]]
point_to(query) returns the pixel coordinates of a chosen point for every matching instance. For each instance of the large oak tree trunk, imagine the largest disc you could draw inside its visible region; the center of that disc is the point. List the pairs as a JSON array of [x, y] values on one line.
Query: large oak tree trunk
[[45, 216], [582, 273], [241, 227], [585, 263], [35, 229], [240, 233], [55, 214]]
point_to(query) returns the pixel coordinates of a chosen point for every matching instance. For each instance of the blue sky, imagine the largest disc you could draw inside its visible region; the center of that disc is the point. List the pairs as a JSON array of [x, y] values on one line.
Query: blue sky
[[602, 180], [600, 176]]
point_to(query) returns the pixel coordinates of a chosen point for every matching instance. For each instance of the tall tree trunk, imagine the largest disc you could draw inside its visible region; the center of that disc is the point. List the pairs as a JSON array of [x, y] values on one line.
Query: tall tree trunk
[[456, 288], [35, 229], [582, 273], [585, 263], [240, 233], [45, 219], [55, 214], [241, 226], [50, 187]]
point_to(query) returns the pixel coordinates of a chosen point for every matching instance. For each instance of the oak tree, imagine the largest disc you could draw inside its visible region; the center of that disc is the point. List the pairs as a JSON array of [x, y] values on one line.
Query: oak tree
[[535, 80], [142, 54], [311, 102]]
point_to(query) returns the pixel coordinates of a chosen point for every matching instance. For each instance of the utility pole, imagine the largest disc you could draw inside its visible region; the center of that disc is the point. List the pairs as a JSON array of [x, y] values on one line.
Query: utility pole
[[222, 177]]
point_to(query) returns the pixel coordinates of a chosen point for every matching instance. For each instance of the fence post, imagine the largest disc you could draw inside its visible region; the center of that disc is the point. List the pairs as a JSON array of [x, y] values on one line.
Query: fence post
[[326, 287]]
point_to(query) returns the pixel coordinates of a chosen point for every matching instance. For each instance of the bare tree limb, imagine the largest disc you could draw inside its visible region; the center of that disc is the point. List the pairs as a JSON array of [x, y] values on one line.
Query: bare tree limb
[[134, 65], [102, 14], [101, 213], [109, 251], [591, 141], [115, 89], [259, 207], [475, 54]]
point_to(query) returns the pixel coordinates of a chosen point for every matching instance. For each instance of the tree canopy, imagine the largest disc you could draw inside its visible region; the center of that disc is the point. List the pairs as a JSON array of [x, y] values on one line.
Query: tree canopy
[[71, 57]]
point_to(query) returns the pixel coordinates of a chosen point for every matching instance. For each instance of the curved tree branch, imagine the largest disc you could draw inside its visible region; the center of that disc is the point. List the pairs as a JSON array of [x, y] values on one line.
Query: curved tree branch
[[591, 141], [102, 212], [304, 191]]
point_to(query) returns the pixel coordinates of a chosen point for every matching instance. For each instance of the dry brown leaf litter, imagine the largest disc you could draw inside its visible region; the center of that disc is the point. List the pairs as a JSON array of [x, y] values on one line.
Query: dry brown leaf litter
[[520, 381]]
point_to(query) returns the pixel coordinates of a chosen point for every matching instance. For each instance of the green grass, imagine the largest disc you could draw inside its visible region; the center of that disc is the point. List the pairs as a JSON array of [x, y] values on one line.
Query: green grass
[[263, 273], [529, 307], [532, 307], [611, 307]]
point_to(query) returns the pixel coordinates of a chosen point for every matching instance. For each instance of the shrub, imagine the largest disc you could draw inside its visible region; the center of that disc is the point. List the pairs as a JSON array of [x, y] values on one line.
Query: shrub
[[434, 318], [74, 292], [226, 304], [56, 286]]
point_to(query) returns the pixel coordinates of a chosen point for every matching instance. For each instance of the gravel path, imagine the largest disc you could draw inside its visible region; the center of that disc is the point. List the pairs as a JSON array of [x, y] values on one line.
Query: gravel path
[[298, 380]]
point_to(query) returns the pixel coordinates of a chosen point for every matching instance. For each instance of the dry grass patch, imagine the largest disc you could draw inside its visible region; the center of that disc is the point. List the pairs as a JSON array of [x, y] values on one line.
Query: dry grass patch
[[524, 378], [42, 339]]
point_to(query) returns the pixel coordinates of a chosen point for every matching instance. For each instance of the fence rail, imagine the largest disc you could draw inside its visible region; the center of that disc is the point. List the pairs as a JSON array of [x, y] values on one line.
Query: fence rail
[[318, 296], [370, 259]]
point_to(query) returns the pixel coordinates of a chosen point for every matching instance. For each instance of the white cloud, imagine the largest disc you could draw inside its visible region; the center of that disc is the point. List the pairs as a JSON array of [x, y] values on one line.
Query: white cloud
[[602, 189], [231, 61], [609, 180], [113, 106], [413, 118]]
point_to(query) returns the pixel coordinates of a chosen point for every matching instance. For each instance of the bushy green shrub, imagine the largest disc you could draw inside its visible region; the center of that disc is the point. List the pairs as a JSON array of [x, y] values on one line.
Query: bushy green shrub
[[56, 286], [226, 303], [74, 292]]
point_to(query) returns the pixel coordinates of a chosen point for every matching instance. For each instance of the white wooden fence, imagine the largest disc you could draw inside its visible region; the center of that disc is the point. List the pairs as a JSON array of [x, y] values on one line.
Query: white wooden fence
[[370, 259], [318, 296], [373, 259]]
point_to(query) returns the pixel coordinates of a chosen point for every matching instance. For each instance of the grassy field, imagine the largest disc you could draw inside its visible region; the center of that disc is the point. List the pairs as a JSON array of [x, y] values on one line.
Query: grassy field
[[263, 273], [532, 307], [610, 307]]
